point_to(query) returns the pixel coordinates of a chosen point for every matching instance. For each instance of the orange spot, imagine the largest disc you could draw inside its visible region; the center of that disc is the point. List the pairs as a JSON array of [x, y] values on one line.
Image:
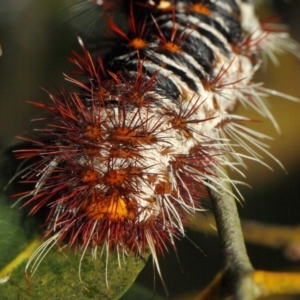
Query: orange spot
[[123, 153], [146, 138], [115, 177], [118, 177], [202, 9], [136, 98], [102, 92], [172, 47], [89, 176], [113, 208], [122, 134], [138, 44], [178, 122], [105, 88], [165, 5], [128, 135], [93, 131]]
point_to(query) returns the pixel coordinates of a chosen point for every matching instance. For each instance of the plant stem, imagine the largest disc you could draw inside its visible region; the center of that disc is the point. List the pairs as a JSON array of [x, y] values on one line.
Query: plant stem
[[236, 263], [238, 276]]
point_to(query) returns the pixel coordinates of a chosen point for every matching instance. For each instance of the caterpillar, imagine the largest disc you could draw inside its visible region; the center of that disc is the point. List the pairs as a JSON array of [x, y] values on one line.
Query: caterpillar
[[130, 154]]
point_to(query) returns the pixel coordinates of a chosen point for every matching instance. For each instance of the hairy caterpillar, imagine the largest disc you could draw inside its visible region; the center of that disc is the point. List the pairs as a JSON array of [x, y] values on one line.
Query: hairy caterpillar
[[131, 153]]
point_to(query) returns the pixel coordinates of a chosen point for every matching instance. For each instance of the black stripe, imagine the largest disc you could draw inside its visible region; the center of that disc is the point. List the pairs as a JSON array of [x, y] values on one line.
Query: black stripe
[[200, 52], [178, 72], [164, 86], [214, 39], [181, 60], [233, 33]]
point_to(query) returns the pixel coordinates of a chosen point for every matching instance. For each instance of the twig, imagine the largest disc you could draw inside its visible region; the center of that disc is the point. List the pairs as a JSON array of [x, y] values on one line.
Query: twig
[[238, 276], [236, 264]]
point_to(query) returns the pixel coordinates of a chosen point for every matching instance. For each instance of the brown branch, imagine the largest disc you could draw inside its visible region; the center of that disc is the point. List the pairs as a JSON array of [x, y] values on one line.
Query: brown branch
[[236, 264], [238, 276]]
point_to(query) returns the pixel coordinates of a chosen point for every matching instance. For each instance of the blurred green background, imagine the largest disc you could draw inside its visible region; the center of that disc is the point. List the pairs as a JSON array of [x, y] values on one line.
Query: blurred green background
[[36, 38]]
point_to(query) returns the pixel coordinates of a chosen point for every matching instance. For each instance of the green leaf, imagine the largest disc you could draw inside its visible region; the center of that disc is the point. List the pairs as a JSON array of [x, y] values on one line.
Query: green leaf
[[57, 277]]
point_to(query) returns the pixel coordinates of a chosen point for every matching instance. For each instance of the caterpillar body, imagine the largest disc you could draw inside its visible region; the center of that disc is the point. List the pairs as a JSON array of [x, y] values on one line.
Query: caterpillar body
[[129, 155]]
